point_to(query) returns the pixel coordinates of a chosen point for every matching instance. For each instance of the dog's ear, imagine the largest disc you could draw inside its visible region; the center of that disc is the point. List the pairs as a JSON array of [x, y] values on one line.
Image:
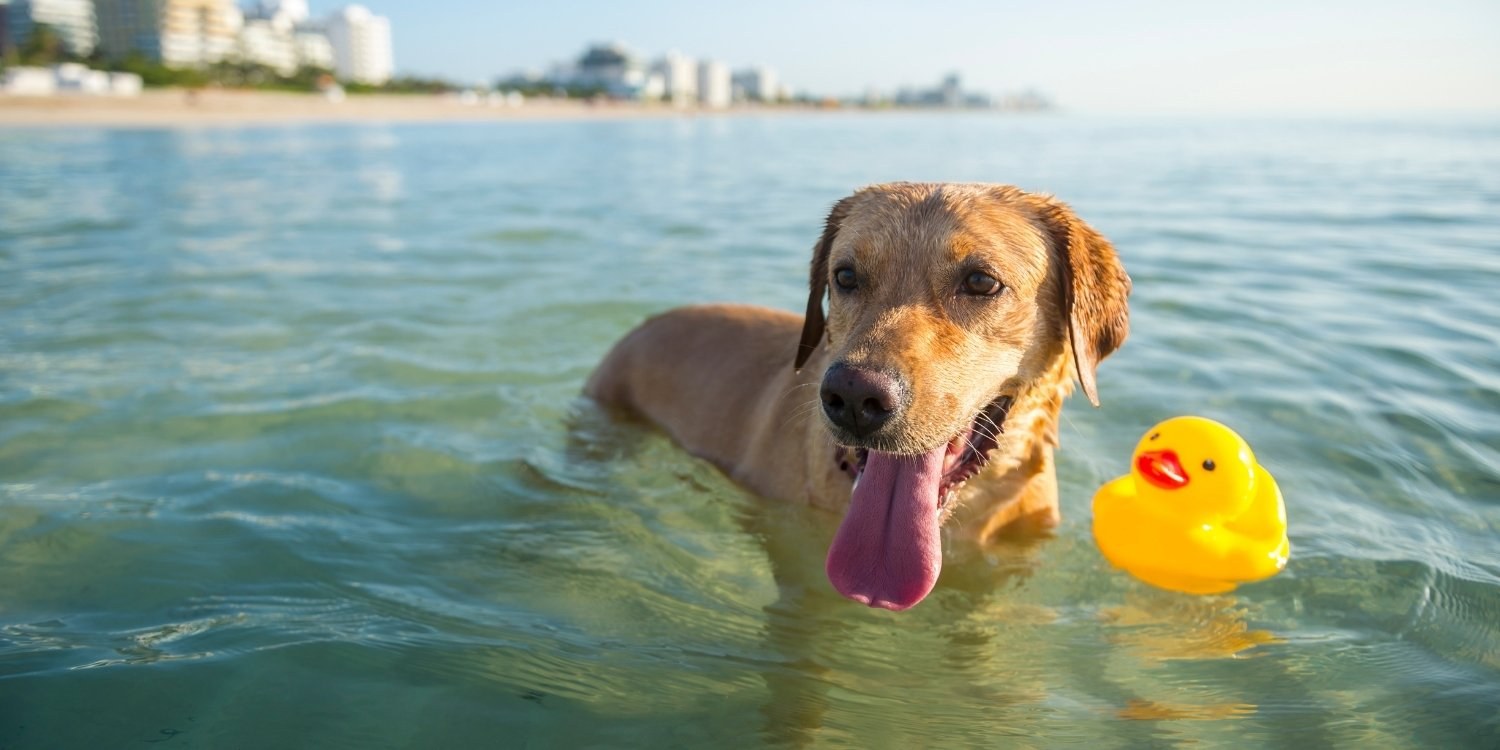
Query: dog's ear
[[1095, 290], [817, 283]]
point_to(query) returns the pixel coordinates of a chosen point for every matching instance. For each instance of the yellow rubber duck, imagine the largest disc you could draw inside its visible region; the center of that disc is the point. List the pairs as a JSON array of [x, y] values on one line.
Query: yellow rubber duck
[[1196, 513]]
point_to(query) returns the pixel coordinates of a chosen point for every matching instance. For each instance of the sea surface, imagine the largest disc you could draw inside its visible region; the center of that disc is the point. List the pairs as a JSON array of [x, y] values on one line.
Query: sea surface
[[292, 452]]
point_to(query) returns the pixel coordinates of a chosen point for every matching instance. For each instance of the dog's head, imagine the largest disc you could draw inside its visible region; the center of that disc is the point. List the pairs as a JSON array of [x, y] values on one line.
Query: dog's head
[[956, 295], [944, 303]]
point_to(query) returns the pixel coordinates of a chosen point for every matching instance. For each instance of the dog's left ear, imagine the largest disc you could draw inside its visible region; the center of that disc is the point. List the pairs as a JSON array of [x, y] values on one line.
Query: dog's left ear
[[817, 282], [1095, 290]]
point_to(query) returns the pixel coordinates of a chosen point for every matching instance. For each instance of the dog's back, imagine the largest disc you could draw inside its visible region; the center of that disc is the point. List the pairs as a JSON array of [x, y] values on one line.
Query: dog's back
[[956, 316]]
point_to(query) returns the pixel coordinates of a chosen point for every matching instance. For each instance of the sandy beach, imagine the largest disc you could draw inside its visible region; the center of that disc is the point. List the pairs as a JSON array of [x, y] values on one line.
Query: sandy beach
[[220, 107]]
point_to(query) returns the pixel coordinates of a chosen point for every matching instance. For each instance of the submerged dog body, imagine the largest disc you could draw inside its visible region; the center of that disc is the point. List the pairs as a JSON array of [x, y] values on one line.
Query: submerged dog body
[[958, 316]]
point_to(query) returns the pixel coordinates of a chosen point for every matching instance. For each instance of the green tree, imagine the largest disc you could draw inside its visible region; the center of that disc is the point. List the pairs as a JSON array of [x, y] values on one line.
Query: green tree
[[44, 47]]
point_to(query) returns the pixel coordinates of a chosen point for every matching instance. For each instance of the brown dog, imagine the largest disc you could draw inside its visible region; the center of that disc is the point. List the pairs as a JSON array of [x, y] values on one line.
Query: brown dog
[[957, 314]]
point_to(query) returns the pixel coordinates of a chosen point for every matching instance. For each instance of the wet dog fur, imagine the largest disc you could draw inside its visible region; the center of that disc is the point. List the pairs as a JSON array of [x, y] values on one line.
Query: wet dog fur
[[974, 308]]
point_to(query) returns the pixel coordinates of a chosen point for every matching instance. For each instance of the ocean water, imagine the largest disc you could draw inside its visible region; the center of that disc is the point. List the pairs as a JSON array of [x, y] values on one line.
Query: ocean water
[[292, 451]]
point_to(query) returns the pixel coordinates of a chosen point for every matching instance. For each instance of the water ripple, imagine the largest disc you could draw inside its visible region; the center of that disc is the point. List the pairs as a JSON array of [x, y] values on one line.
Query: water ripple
[[290, 426]]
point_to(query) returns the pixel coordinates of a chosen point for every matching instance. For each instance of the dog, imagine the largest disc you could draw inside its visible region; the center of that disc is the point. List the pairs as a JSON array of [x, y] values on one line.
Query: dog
[[959, 316]]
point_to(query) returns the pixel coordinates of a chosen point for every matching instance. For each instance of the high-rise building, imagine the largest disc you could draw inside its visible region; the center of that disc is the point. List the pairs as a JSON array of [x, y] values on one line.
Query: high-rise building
[[286, 14], [679, 77], [952, 92], [263, 42], [313, 49], [609, 66], [178, 33], [758, 84], [73, 20], [5, 40], [361, 45], [715, 88], [278, 35]]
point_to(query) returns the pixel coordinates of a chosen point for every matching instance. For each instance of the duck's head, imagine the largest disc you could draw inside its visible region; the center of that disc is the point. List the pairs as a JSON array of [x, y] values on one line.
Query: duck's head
[[1198, 466]]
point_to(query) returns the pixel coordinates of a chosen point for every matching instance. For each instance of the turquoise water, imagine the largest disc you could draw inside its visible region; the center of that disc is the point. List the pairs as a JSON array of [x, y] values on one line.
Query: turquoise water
[[291, 452]]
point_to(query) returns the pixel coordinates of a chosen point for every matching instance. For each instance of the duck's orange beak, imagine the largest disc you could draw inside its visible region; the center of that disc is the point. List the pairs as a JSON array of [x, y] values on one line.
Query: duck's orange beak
[[1162, 469]]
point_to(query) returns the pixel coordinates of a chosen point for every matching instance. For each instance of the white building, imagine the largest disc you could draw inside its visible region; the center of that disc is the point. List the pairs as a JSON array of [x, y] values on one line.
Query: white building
[[77, 78], [68, 78], [27, 81], [199, 32], [715, 88], [125, 84], [277, 35], [679, 75], [758, 84], [613, 68], [313, 49], [286, 14], [361, 45], [73, 20], [653, 87], [178, 33], [262, 43], [952, 91]]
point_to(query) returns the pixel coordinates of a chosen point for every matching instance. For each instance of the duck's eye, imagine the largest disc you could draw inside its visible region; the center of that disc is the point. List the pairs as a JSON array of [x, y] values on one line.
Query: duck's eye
[[1209, 465], [981, 284], [1154, 436], [845, 278]]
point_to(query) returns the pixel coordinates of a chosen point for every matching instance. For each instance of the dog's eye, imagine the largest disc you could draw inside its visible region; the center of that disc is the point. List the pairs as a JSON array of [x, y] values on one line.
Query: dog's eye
[[845, 278], [982, 284]]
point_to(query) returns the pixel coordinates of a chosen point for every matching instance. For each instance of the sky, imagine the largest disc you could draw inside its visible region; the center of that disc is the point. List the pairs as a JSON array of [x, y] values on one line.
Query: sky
[[1167, 56]]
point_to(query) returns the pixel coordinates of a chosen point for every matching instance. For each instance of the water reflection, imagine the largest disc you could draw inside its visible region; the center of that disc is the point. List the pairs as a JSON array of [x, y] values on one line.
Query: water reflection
[[1161, 626]]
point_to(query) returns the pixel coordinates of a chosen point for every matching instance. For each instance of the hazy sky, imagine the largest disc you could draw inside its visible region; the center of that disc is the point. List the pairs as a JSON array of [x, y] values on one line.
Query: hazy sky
[[1276, 56]]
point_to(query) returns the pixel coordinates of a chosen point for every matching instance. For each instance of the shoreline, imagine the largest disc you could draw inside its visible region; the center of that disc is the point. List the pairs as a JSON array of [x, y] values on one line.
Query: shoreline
[[247, 108], [161, 108]]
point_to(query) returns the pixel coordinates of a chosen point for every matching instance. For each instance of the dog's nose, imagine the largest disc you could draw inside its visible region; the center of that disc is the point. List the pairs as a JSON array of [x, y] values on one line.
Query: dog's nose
[[859, 400]]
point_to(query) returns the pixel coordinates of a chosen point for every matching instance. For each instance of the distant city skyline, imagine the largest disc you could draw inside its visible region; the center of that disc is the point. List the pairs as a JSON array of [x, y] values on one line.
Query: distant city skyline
[[1278, 56]]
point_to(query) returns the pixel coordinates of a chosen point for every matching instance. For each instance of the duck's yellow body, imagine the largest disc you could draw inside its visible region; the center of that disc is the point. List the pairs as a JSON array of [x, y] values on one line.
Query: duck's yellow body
[[1195, 514]]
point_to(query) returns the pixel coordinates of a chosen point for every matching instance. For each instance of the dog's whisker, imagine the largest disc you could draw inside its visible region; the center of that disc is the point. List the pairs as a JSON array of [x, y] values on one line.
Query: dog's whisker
[[991, 431], [789, 391], [802, 417], [1068, 421], [801, 412], [804, 407], [987, 424], [985, 415]]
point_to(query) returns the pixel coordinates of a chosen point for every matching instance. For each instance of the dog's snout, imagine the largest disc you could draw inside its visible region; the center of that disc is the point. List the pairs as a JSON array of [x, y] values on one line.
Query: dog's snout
[[858, 399]]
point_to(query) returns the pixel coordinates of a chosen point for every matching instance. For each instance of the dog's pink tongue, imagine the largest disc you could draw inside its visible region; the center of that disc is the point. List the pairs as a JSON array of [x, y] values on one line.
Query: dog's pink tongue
[[887, 552]]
